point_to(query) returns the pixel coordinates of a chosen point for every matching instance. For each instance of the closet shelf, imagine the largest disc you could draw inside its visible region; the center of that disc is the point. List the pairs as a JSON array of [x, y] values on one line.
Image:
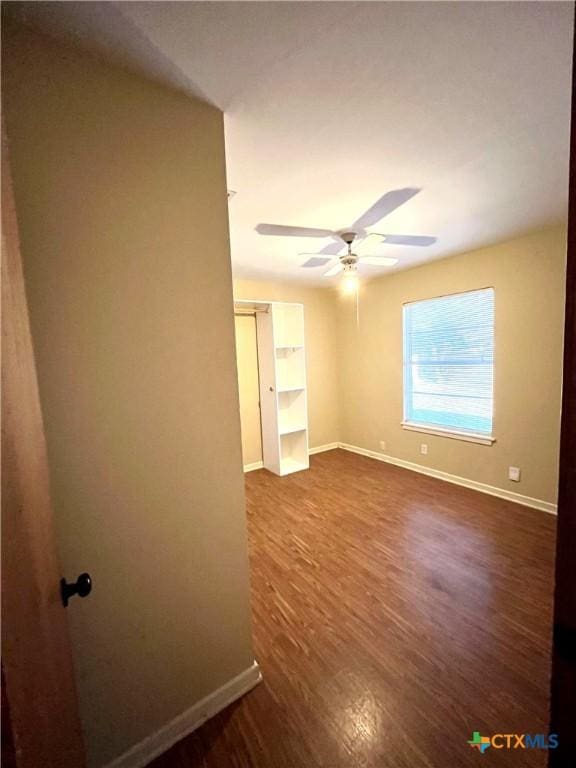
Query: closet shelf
[[291, 389], [290, 430], [292, 465], [289, 346]]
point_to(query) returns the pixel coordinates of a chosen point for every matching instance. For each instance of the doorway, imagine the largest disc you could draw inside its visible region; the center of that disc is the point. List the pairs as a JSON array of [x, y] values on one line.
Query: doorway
[[248, 389]]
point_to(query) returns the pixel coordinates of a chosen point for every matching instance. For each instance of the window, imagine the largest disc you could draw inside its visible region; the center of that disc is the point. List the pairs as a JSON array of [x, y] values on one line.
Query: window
[[448, 364]]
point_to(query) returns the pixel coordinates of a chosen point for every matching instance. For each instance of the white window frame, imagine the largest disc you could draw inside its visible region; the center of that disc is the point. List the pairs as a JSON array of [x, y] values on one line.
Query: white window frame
[[431, 429]]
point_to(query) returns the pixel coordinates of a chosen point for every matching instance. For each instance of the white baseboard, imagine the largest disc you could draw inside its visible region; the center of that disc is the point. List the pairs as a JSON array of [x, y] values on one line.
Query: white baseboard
[[502, 493], [144, 752], [318, 449], [322, 448], [253, 466]]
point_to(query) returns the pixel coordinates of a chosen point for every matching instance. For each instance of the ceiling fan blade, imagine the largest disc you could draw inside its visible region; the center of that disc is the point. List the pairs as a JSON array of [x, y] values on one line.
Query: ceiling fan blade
[[315, 261], [378, 261], [420, 240], [279, 230], [333, 249], [334, 270], [368, 244], [385, 205]]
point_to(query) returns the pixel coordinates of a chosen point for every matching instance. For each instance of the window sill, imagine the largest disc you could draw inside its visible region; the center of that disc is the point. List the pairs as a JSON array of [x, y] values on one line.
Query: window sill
[[468, 437]]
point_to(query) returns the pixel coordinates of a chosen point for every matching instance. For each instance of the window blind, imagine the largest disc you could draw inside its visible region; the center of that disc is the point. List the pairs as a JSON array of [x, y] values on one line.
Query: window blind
[[449, 362]]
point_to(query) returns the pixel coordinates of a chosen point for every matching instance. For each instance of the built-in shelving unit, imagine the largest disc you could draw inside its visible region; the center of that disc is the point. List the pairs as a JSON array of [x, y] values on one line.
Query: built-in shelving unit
[[282, 372]]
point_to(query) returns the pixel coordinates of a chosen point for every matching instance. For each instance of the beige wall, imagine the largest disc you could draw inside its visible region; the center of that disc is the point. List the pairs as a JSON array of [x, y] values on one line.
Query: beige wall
[[322, 364], [528, 275], [120, 190]]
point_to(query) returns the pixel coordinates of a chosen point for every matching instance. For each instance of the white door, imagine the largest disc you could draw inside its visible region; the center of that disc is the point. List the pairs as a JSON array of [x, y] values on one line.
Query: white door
[[40, 718], [248, 386]]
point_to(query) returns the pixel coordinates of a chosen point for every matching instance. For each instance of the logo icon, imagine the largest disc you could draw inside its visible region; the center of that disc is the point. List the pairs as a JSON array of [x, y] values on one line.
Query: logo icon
[[481, 743]]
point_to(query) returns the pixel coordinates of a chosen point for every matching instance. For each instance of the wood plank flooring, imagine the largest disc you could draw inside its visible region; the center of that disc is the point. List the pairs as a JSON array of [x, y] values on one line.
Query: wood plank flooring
[[394, 614]]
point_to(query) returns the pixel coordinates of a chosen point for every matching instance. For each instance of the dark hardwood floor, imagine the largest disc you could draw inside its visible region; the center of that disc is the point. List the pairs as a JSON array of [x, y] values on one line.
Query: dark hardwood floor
[[394, 614]]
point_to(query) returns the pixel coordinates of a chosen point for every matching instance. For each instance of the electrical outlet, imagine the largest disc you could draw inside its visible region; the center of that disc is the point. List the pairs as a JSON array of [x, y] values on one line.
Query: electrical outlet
[[514, 474], [423, 449], [382, 445]]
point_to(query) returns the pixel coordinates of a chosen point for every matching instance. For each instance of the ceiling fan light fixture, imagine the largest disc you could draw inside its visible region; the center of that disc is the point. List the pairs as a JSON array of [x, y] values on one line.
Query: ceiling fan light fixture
[[350, 280]]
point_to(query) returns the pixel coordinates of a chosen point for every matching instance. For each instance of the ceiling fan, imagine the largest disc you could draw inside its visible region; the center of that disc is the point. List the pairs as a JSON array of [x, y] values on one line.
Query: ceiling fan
[[348, 261]]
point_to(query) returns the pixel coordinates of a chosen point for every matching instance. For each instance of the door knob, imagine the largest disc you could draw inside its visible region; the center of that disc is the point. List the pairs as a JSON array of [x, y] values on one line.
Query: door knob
[[81, 587]]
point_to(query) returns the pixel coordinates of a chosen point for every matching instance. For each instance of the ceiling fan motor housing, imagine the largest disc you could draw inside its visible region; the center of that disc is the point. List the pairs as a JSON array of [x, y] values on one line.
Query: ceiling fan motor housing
[[349, 260]]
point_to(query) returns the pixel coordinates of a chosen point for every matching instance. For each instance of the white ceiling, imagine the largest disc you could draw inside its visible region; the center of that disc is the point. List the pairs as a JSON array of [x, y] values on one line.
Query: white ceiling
[[330, 104]]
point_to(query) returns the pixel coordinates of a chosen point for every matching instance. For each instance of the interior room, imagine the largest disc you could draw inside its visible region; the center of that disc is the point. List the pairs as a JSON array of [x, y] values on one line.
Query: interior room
[[287, 317]]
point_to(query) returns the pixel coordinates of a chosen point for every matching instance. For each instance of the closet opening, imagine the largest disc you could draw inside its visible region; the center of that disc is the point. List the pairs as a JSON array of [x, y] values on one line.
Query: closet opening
[[271, 362], [246, 334]]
